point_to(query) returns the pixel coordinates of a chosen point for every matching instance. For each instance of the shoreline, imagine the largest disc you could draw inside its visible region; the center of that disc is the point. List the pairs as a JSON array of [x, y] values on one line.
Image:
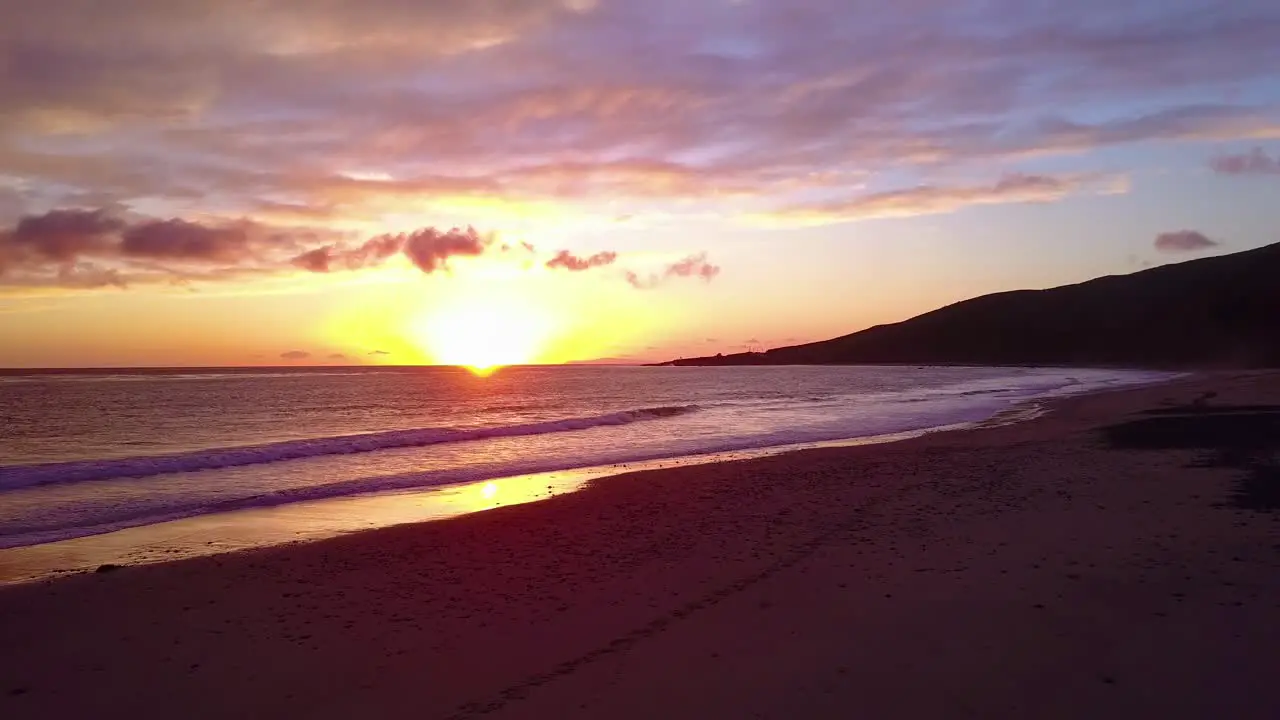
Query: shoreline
[[1035, 569], [232, 531], [316, 520]]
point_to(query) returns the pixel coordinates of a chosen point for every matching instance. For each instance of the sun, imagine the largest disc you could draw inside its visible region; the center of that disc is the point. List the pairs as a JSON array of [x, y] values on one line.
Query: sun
[[483, 333]]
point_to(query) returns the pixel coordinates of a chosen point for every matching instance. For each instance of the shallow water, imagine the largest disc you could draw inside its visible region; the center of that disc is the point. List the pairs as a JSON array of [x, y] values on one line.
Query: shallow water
[[90, 453]]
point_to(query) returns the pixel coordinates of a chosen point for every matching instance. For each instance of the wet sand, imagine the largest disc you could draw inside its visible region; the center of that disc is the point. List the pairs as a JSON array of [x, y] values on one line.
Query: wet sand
[[1053, 568], [311, 520]]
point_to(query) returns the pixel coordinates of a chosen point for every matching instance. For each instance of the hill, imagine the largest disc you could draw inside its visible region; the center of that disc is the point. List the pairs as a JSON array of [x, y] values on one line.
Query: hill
[[1218, 312]]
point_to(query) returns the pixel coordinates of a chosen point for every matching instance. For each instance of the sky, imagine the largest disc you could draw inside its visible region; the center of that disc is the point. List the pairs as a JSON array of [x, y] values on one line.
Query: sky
[[271, 182]]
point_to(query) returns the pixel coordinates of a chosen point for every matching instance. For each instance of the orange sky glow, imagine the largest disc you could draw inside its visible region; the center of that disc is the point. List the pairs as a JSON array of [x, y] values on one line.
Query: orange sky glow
[[551, 181]]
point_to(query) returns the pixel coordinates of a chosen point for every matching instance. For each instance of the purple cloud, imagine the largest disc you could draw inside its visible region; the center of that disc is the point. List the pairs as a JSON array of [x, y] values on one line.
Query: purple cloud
[[97, 248], [94, 248], [62, 234], [178, 239], [570, 99], [1183, 241]]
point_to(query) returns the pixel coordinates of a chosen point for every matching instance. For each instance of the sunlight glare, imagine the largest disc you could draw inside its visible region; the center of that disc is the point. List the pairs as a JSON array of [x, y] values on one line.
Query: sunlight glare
[[484, 332]]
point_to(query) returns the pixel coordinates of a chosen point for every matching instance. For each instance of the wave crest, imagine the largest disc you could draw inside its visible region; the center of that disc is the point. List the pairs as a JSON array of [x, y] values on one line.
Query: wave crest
[[20, 476]]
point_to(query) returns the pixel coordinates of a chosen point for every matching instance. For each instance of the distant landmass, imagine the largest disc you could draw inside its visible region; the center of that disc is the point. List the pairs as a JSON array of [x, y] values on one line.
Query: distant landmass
[[1218, 312]]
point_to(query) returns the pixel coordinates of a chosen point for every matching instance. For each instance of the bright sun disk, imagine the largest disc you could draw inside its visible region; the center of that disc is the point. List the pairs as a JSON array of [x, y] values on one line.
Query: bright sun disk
[[483, 334]]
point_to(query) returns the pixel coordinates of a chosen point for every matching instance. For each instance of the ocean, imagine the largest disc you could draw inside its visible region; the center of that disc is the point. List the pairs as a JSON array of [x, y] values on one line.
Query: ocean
[[86, 453]]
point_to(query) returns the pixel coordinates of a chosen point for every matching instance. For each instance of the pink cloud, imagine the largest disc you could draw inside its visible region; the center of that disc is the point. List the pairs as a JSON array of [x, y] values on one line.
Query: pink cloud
[[430, 249], [568, 261], [1256, 162], [327, 258], [695, 266], [932, 200]]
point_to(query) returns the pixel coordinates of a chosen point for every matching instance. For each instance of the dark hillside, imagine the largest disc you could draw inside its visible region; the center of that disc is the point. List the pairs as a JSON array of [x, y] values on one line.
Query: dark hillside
[[1214, 312]]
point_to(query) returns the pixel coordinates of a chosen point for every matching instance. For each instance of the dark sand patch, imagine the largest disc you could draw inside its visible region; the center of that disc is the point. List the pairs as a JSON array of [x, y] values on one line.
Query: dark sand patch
[[1244, 437], [1211, 409]]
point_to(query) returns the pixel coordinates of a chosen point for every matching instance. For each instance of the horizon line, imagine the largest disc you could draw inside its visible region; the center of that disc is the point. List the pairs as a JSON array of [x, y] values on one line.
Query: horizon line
[[403, 366]]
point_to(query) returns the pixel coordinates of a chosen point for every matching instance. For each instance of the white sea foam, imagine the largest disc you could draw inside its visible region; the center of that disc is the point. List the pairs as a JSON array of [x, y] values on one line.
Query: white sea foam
[[21, 476], [702, 412]]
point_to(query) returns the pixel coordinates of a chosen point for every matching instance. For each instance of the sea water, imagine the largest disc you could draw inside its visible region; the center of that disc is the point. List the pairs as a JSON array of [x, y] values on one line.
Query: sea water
[[84, 453]]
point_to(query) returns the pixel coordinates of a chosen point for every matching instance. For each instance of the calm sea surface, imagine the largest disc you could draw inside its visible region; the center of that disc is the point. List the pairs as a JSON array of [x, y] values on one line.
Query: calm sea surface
[[82, 454]]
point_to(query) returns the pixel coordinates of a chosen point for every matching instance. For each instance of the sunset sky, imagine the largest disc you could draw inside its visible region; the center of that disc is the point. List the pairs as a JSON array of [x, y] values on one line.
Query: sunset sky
[[231, 182]]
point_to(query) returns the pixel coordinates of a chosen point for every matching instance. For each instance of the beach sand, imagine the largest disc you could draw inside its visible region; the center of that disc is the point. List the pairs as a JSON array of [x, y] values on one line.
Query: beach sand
[[1047, 569]]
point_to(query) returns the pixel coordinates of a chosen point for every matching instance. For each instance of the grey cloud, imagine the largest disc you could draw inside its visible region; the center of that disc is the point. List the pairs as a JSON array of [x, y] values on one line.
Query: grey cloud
[[295, 355], [1182, 241]]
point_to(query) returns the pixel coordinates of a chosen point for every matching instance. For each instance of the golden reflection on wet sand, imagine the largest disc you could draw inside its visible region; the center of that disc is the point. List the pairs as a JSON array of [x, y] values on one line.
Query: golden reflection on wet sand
[[257, 527], [318, 519]]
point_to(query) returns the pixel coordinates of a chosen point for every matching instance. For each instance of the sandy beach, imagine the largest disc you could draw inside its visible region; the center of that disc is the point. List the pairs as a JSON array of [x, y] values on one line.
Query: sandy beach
[[1048, 569]]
